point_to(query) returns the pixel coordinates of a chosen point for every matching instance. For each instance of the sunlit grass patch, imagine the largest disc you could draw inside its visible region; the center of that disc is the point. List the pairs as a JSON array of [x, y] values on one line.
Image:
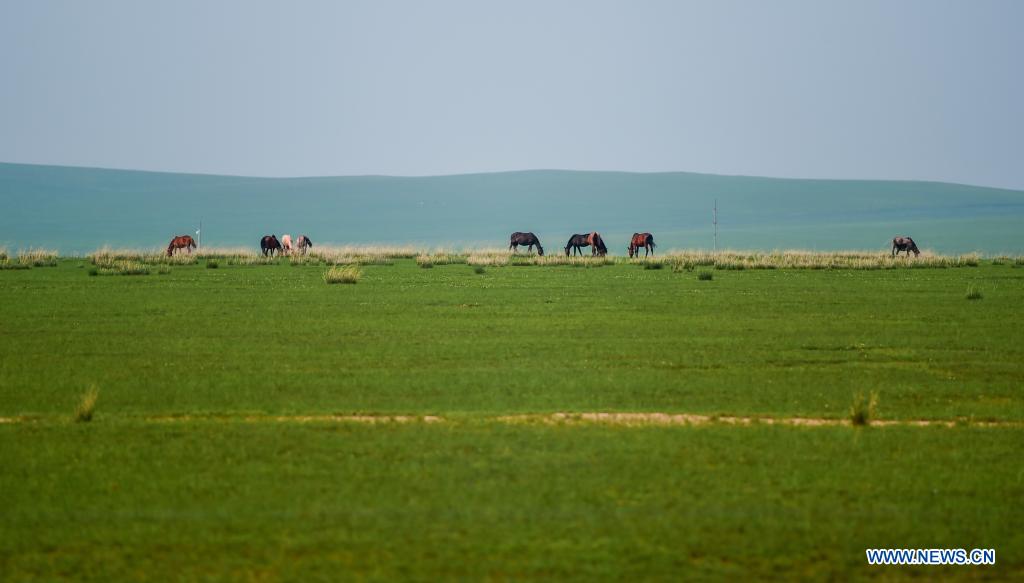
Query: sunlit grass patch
[[345, 274]]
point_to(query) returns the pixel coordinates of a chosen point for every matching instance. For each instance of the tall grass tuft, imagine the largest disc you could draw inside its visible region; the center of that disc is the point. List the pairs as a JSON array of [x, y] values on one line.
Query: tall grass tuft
[[120, 267], [973, 293], [863, 409], [212, 264], [346, 274], [7, 264], [38, 257], [479, 269], [87, 405], [705, 275]]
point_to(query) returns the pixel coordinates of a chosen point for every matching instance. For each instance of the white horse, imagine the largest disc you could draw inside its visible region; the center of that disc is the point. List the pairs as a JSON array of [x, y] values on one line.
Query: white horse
[[303, 243], [286, 244]]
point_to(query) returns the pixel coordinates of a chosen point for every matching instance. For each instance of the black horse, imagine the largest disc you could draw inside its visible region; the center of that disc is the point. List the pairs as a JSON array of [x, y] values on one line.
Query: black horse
[[575, 243], [904, 244], [269, 244], [527, 239]]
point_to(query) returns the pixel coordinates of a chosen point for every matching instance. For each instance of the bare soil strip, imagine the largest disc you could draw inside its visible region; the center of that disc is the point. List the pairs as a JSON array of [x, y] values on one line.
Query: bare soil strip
[[618, 419], [640, 419]]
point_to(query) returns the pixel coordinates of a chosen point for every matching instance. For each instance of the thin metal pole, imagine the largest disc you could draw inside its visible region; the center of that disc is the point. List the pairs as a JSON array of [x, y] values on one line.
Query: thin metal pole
[[715, 222]]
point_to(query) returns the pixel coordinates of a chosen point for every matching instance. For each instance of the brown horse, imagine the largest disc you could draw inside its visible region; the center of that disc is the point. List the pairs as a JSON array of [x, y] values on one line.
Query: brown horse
[[269, 244], [904, 244], [597, 246], [645, 240], [181, 242], [303, 243]]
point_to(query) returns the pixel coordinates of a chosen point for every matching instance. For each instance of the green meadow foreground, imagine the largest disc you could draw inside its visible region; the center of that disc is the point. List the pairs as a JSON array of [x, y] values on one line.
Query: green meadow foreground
[[255, 422]]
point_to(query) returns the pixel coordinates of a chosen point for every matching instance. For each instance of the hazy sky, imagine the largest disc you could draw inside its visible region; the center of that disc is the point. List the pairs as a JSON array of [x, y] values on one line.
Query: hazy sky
[[861, 89]]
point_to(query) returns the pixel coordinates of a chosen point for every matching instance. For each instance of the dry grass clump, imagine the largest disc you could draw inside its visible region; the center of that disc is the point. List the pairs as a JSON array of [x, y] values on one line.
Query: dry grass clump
[[488, 259], [797, 259], [343, 274], [3, 254], [441, 258], [87, 405], [252, 260], [37, 257], [7, 264], [863, 409], [120, 267]]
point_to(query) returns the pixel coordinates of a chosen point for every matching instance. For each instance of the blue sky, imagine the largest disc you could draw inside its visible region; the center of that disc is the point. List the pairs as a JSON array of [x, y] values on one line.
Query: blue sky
[[890, 89]]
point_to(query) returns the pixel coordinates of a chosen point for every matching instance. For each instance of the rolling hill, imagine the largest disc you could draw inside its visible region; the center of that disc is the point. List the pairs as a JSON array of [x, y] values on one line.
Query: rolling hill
[[79, 209]]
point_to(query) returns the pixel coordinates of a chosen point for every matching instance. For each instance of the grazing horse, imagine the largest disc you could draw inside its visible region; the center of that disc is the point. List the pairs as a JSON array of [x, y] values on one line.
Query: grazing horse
[[597, 244], [575, 242], [181, 242], [286, 244], [528, 239], [303, 243], [645, 240], [268, 244], [904, 244]]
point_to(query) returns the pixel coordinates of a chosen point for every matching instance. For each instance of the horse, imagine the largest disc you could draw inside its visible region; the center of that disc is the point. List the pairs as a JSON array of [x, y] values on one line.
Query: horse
[[575, 243], [904, 244], [597, 244], [286, 244], [268, 244], [181, 242], [645, 240], [303, 243], [528, 239]]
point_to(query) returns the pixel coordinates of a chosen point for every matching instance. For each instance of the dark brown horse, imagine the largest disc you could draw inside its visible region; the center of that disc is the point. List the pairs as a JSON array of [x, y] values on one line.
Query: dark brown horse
[[303, 243], [269, 244], [181, 242], [904, 244], [645, 240], [575, 243], [527, 239]]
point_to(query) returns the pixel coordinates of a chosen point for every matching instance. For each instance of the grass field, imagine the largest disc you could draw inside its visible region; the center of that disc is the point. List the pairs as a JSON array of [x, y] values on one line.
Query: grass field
[[233, 433]]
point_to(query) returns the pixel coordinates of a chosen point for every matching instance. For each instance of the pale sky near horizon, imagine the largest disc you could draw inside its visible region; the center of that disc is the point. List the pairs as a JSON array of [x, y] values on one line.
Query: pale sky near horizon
[[894, 89]]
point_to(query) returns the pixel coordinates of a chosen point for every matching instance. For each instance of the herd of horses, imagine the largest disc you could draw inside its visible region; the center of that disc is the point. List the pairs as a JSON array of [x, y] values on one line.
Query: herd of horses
[[577, 242], [270, 244]]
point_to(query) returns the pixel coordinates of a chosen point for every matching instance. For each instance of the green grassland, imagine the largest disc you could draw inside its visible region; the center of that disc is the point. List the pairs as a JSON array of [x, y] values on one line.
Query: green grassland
[[197, 463]]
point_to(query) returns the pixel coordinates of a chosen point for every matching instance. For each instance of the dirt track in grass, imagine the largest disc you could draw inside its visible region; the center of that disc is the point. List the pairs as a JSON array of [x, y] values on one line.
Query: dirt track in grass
[[595, 418]]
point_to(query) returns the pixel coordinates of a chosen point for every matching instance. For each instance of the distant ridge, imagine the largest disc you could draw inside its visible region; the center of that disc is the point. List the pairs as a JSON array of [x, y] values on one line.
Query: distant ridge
[[77, 209]]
